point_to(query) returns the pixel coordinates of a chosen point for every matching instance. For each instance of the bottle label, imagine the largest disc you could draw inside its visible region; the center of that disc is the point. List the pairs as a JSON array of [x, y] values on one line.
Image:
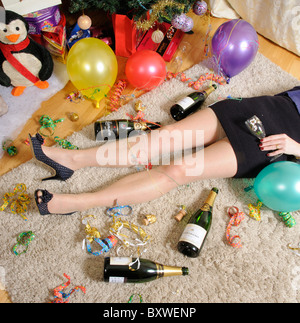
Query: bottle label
[[186, 102], [117, 280], [194, 234], [120, 261]]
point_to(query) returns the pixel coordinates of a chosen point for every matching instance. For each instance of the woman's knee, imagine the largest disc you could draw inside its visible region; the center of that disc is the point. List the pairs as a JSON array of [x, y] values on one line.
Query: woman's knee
[[176, 173]]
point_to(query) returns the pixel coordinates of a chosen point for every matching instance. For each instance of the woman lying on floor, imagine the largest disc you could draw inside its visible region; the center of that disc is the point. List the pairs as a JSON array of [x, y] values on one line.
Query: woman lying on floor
[[230, 151]]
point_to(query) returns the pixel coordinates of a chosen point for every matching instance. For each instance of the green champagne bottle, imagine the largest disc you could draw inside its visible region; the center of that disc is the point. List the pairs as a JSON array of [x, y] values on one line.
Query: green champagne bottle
[[190, 104], [121, 128], [131, 270], [195, 233]]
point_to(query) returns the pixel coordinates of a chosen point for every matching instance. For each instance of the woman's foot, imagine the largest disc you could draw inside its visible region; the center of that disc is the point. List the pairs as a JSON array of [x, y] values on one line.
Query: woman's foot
[[60, 170], [49, 203], [61, 156]]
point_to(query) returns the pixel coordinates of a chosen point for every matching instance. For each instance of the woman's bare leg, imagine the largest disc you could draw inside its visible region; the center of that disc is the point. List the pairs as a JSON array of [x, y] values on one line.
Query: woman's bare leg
[[216, 161], [204, 120]]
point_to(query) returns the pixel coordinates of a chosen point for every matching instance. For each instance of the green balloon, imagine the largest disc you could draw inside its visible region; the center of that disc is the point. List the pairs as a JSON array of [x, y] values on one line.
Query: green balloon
[[278, 186]]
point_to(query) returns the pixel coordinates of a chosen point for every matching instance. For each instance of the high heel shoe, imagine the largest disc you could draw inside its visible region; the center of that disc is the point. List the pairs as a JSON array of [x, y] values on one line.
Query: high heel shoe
[[62, 173], [45, 198]]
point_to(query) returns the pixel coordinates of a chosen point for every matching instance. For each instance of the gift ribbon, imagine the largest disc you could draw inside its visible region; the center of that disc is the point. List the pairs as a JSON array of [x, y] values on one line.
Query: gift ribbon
[[295, 250], [47, 122], [236, 218], [106, 244], [92, 232], [60, 297], [254, 211], [115, 230], [139, 296], [93, 235], [288, 219], [11, 150], [114, 99], [117, 210], [23, 239], [198, 83], [19, 205], [65, 144]]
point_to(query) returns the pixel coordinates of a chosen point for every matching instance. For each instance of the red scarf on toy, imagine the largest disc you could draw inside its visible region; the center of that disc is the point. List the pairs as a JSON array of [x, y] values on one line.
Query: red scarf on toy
[[7, 52]]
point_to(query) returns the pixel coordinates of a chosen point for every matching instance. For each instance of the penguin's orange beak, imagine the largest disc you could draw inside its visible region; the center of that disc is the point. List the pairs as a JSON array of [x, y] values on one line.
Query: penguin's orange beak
[[13, 38]]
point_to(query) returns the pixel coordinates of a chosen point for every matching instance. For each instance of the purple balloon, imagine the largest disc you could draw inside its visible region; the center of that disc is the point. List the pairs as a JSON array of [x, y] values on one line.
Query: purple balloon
[[234, 47]]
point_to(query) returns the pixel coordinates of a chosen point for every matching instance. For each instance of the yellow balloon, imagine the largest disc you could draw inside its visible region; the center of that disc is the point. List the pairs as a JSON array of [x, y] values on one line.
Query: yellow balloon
[[92, 68]]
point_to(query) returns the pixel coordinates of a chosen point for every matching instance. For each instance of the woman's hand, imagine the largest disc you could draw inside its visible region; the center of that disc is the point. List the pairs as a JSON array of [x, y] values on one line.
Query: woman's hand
[[280, 144]]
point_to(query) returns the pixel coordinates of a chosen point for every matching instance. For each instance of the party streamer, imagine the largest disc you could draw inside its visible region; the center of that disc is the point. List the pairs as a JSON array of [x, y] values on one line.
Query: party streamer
[[236, 218], [60, 297]]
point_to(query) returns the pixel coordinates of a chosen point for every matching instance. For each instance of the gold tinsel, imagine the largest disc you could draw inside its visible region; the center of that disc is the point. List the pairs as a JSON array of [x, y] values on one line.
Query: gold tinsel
[[159, 9]]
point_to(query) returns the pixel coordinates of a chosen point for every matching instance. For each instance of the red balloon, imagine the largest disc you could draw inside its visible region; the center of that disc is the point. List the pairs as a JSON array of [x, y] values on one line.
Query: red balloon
[[146, 69]]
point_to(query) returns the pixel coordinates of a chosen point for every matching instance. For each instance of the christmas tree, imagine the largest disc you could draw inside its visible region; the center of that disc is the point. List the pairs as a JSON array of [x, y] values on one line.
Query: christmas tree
[[158, 10]]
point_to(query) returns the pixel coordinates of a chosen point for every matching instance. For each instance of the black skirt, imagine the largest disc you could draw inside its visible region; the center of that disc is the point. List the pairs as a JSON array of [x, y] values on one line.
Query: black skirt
[[278, 115]]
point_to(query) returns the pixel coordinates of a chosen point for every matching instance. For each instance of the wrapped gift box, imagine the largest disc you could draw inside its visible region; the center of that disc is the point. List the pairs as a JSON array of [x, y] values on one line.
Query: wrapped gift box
[[43, 19], [169, 45]]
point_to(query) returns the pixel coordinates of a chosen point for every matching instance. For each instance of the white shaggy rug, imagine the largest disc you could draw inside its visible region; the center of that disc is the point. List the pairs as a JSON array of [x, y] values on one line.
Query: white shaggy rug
[[263, 270]]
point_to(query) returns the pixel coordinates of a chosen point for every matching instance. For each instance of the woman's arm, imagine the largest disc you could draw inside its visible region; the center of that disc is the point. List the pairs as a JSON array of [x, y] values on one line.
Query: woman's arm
[[280, 144]]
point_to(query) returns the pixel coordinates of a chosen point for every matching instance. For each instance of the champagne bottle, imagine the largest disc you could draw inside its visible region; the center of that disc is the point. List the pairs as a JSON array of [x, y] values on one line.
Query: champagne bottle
[[115, 129], [190, 104], [133, 270], [194, 234]]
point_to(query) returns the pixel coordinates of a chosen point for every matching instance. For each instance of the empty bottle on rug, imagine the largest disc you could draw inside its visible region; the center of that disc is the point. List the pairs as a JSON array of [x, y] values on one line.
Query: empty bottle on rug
[[195, 233], [190, 104], [116, 129], [137, 270]]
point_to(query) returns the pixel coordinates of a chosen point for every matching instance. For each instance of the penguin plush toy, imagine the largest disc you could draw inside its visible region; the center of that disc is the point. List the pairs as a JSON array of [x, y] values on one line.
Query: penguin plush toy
[[23, 62]]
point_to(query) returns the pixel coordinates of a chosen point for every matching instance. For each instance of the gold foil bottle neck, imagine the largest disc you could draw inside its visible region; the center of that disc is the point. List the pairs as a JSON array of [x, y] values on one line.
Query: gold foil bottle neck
[[209, 202]]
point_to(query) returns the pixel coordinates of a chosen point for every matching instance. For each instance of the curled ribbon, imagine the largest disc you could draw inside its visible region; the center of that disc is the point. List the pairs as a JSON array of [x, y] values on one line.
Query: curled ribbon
[[23, 239], [91, 232], [116, 95], [254, 211], [139, 296], [60, 297], [198, 83], [93, 235], [143, 239], [118, 225], [106, 244], [117, 210], [288, 219], [47, 122], [65, 144], [19, 205], [295, 250], [236, 218]]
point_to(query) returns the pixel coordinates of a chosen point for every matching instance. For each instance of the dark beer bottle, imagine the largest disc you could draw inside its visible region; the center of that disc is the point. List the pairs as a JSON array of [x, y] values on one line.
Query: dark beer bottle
[[190, 104], [194, 234]]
